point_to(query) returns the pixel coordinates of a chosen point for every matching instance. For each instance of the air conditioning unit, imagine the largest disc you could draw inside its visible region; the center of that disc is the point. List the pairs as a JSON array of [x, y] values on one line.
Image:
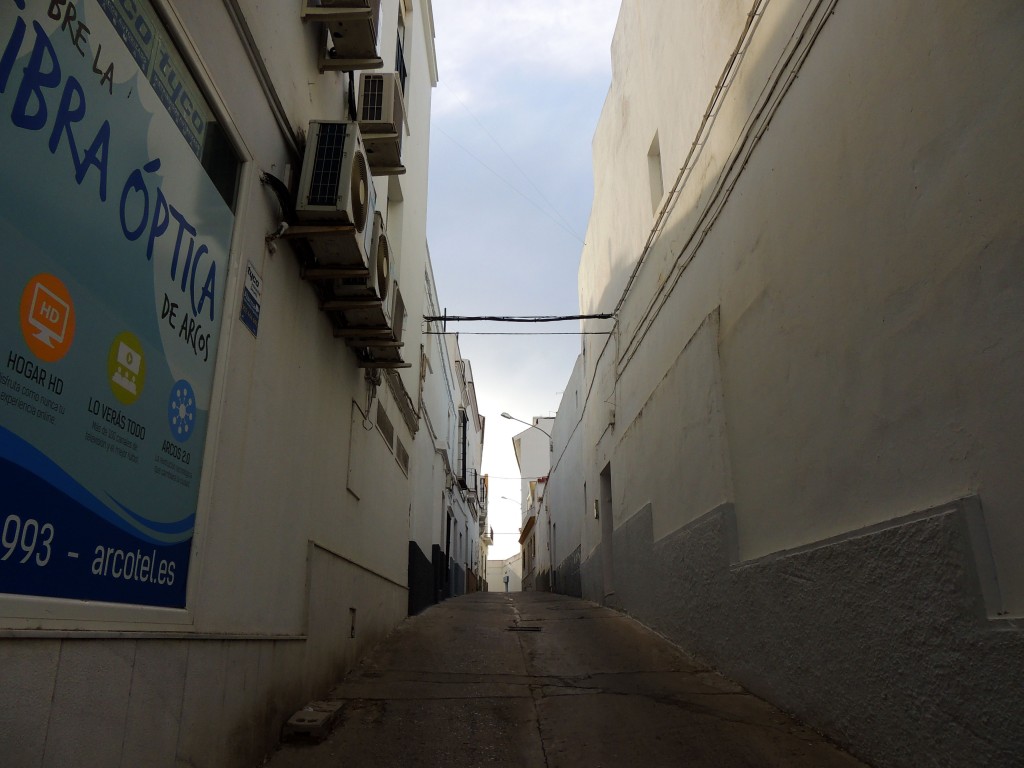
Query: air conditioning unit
[[351, 26], [335, 187], [368, 310], [364, 293], [382, 121], [381, 103]]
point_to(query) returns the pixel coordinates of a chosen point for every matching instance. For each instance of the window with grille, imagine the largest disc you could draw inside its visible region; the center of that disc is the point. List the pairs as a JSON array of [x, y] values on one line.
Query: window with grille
[[463, 421], [402, 455], [387, 429], [400, 68]]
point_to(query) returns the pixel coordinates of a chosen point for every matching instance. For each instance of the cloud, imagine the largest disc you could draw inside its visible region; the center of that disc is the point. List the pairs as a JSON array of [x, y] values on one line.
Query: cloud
[[484, 46]]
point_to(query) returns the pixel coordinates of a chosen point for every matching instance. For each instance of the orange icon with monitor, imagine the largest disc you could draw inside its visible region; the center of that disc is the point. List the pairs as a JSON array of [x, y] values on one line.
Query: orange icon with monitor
[[47, 317]]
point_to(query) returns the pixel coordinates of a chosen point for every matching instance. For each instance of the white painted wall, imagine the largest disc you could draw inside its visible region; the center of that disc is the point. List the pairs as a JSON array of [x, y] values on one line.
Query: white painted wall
[[468, 497], [293, 575], [434, 467], [856, 341], [439, 502], [825, 333], [497, 569], [567, 492], [532, 447], [533, 454]]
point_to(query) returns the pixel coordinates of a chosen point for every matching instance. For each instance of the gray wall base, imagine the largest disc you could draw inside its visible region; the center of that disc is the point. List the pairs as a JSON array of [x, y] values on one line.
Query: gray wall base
[[880, 638], [590, 577], [567, 576]]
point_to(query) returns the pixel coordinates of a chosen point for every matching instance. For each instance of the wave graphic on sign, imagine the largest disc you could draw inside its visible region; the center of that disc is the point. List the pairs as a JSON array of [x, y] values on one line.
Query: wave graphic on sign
[[173, 528], [17, 451]]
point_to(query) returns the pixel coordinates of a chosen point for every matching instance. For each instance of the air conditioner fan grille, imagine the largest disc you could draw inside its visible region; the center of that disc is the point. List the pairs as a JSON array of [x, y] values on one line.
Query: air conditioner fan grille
[[373, 98], [330, 149], [360, 182], [383, 265]]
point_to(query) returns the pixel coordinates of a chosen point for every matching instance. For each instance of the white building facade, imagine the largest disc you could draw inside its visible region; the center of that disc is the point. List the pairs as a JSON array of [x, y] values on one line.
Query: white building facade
[[532, 448], [449, 529], [567, 490], [471, 528], [213, 409], [797, 453], [505, 575]]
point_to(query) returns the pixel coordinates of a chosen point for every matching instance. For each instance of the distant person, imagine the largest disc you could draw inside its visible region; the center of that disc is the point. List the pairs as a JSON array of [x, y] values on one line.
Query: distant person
[[506, 582]]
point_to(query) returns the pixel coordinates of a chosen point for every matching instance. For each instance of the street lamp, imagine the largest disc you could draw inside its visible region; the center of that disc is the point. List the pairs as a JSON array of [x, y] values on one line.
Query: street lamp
[[506, 415]]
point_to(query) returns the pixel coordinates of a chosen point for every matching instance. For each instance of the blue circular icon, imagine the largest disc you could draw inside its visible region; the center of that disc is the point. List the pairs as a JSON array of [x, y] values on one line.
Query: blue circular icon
[[181, 410]]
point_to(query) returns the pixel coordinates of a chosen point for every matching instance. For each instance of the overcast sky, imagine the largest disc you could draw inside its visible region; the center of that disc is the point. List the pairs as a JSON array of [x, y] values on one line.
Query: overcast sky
[[522, 83]]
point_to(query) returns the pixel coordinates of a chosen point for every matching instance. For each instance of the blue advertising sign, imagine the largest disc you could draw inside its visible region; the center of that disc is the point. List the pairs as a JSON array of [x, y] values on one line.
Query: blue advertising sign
[[114, 254]]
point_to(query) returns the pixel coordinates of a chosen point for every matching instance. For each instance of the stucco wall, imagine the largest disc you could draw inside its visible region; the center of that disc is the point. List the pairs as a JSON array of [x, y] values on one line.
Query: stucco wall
[[825, 337], [861, 303], [566, 490], [293, 575], [165, 700], [496, 570], [879, 638]]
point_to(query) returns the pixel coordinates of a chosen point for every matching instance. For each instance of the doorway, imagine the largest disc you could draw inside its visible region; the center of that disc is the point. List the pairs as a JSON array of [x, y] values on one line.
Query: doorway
[[607, 532]]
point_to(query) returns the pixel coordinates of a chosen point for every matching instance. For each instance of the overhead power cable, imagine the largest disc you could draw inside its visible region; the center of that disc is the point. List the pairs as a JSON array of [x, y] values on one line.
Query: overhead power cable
[[513, 318], [516, 333]]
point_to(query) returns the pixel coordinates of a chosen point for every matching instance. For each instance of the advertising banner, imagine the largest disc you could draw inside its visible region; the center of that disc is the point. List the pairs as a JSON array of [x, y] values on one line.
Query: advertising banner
[[113, 256]]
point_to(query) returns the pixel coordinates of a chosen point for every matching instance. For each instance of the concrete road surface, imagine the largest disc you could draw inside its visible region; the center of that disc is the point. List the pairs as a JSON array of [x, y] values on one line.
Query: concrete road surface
[[534, 679]]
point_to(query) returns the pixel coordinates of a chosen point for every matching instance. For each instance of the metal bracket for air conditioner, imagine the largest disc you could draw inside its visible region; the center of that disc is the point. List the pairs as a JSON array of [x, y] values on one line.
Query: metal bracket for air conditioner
[[332, 59], [314, 231], [327, 272], [382, 364], [341, 304], [361, 332]]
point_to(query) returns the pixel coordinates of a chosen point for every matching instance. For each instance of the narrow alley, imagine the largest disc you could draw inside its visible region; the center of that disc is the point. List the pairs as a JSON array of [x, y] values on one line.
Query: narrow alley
[[353, 345], [538, 679]]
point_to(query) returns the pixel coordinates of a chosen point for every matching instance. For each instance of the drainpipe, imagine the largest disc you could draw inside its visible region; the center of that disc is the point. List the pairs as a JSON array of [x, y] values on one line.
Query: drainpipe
[[266, 85]]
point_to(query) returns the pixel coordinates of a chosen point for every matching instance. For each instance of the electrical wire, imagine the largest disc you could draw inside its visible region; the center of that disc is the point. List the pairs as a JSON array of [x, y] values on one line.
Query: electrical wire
[[756, 11], [502, 477], [514, 318], [802, 40], [699, 141], [512, 160], [515, 189], [516, 333]]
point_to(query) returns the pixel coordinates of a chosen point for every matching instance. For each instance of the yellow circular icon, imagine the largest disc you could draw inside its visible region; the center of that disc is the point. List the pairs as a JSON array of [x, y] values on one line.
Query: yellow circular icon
[[126, 368], [47, 317]]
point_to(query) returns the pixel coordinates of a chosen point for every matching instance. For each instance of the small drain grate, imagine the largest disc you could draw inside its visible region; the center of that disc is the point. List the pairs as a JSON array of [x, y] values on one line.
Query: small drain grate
[[524, 629]]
